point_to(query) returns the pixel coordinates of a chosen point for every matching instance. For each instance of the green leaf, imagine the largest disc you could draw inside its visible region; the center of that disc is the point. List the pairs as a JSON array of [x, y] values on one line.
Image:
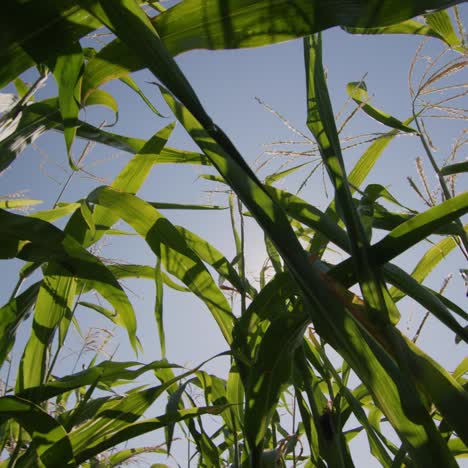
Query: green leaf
[[21, 87], [211, 255], [130, 179], [321, 122], [39, 32], [431, 301], [168, 245], [67, 69], [440, 22], [56, 213], [455, 168], [410, 233], [183, 206], [450, 398], [54, 303], [207, 24], [49, 438], [99, 97], [123, 270], [158, 306], [428, 262], [271, 370], [36, 240], [358, 92], [45, 115], [341, 332], [116, 419], [311, 216], [131, 84], [356, 177], [11, 316], [271, 179], [131, 430], [88, 217], [197, 24], [14, 204], [107, 373], [124, 456], [405, 27]]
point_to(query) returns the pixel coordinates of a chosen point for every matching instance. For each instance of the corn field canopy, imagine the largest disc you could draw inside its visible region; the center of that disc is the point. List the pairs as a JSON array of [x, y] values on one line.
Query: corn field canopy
[[221, 254]]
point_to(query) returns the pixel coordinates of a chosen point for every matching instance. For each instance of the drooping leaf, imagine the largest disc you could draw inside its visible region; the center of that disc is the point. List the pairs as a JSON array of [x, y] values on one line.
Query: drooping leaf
[[116, 418], [385, 388], [429, 261], [100, 97], [131, 430], [39, 117], [11, 316], [455, 168], [36, 240], [405, 27], [408, 234], [107, 373], [211, 255], [49, 438], [168, 245], [321, 122], [195, 24], [440, 22], [358, 91]]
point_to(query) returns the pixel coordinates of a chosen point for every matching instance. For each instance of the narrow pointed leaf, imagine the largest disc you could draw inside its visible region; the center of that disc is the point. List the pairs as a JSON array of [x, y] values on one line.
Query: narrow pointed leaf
[[129, 431], [99, 97], [36, 240], [11, 316], [358, 91], [49, 438], [67, 72], [455, 168], [168, 245], [158, 306], [18, 203], [54, 303]]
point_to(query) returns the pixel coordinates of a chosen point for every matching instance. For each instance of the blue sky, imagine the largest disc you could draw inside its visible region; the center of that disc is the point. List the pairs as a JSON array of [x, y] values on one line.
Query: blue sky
[[227, 83]]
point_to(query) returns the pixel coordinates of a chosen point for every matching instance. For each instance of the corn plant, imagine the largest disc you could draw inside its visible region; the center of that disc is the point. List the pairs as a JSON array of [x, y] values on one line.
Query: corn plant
[[281, 337]]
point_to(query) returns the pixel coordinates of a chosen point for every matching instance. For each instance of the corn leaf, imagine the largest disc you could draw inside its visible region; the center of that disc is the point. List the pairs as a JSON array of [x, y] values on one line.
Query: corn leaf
[[100, 97], [168, 245], [49, 438], [358, 92], [136, 429], [455, 168], [36, 240], [158, 306], [193, 24], [12, 314], [14, 204]]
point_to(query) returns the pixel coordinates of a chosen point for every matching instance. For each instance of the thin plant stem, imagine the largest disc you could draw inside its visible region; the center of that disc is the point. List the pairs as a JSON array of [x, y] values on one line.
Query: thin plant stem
[[294, 430], [59, 348], [83, 155], [426, 316], [242, 256]]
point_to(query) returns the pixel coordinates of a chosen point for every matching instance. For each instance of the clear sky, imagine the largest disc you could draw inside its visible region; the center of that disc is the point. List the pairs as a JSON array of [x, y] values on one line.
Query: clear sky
[[227, 83]]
